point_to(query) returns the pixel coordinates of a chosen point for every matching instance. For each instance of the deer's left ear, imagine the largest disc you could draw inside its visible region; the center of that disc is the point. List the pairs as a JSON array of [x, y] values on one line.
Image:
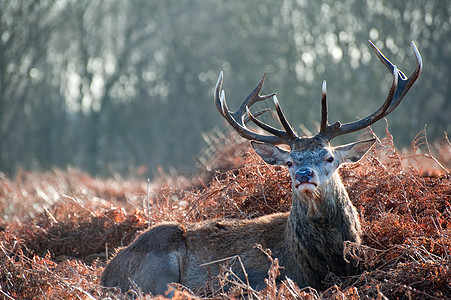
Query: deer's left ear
[[353, 152]]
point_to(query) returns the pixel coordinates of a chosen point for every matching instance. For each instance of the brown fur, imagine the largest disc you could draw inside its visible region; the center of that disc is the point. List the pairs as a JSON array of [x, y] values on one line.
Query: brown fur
[[138, 264]]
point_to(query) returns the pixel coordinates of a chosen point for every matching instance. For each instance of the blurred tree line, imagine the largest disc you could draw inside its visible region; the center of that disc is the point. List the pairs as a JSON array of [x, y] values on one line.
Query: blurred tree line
[[103, 85]]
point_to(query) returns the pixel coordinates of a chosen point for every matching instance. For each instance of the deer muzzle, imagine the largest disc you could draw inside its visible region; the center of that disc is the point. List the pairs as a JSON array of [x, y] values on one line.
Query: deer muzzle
[[304, 177]]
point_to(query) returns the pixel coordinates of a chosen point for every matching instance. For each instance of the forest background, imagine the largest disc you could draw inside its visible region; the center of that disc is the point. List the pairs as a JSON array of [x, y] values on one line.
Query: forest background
[[126, 87]]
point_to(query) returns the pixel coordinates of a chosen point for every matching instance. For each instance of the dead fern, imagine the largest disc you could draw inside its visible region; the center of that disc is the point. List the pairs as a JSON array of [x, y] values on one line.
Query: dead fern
[[58, 228]]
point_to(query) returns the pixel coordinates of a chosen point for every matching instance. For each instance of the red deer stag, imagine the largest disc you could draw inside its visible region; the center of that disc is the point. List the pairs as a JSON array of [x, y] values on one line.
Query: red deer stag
[[308, 241]]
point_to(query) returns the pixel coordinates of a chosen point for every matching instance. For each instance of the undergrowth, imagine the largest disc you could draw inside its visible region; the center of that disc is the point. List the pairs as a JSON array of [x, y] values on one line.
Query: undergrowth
[[59, 228]]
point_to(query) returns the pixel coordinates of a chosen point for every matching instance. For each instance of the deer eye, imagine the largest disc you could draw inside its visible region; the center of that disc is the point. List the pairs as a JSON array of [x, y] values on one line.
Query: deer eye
[[289, 164], [330, 159]]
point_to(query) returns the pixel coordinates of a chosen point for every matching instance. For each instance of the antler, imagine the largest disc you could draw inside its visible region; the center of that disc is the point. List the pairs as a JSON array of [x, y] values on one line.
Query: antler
[[237, 119], [399, 88]]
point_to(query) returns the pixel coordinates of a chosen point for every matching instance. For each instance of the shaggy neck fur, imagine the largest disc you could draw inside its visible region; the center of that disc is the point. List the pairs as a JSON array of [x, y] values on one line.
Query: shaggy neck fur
[[317, 227]]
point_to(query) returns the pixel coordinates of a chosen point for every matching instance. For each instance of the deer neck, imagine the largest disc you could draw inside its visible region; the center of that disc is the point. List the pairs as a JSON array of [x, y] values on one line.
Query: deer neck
[[328, 210], [316, 230]]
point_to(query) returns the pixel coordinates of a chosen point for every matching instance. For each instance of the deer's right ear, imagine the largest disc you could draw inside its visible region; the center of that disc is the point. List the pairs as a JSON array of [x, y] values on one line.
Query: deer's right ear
[[271, 154], [353, 152]]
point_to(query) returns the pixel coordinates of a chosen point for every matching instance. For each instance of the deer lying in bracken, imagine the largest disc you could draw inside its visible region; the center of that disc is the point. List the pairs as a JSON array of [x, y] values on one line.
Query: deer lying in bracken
[[308, 241]]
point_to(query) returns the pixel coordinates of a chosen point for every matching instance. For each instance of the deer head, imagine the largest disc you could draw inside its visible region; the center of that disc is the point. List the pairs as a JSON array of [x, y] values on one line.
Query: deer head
[[312, 161]]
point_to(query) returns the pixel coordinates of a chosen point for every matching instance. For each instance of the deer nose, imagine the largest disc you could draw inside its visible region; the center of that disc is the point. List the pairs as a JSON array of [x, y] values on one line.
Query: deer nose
[[304, 175]]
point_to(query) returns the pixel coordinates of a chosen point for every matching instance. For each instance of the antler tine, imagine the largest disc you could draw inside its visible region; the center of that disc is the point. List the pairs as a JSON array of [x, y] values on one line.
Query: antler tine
[[324, 122], [407, 83], [258, 113], [399, 88], [236, 119], [289, 133], [325, 128], [288, 136], [252, 98], [217, 97], [262, 125]]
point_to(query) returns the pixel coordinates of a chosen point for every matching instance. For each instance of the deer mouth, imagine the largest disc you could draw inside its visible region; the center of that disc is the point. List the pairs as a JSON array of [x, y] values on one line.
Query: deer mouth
[[305, 185]]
